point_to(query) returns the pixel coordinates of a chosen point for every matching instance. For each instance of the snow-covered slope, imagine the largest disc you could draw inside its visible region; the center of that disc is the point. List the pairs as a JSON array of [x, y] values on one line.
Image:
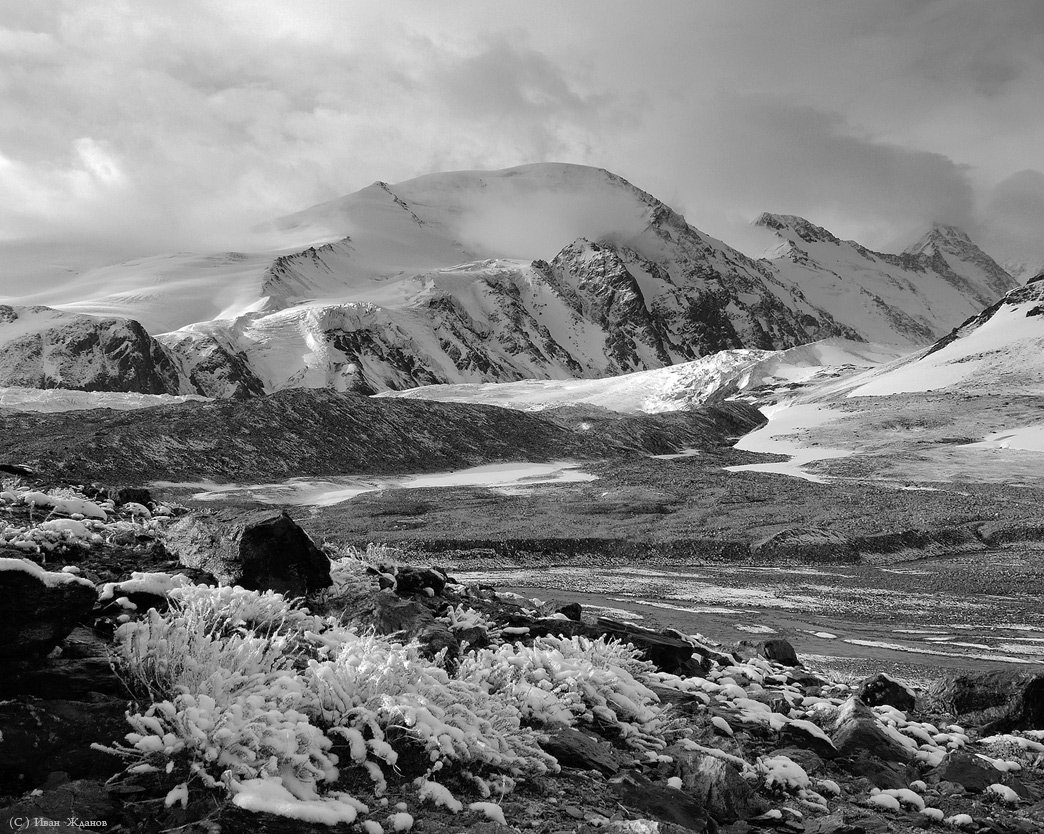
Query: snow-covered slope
[[441, 279], [45, 348], [546, 271], [999, 350], [686, 385], [912, 298]]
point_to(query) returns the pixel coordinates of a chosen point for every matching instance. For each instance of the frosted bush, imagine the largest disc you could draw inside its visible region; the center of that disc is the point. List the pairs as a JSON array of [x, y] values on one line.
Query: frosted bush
[[460, 618], [374, 693], [248, 737], [561, 680], [248, 691], [233, 610], [213, 641]]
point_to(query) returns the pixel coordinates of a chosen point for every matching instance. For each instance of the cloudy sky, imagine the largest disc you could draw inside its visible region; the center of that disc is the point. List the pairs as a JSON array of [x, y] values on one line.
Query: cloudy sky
[[139, 126]]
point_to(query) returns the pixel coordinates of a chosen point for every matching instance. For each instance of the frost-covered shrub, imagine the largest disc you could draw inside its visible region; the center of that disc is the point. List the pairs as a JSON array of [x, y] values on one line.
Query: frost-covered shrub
[[213, 641], [247, 737], [381, 696], [462, 618], [227, 611], [559, 679], [248, 692]]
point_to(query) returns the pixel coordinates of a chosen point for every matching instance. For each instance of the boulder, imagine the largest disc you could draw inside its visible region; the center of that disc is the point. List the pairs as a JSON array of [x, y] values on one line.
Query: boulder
[[857, 731], [878, 773], [640, 794], [998, 701], [573, 748], [718, 787], [799, 734], [39, 608], [572, 610], [779, 651], [133, 495], [975, 774], [882, 690], [666, 653], [259, 550], [411, 580]]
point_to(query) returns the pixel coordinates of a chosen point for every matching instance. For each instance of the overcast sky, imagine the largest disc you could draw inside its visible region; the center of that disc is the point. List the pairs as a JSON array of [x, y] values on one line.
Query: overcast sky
[[151, 126]]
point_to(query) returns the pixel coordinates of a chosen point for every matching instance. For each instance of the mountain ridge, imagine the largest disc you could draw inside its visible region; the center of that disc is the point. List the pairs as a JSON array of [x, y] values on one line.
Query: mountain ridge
[[548, 270]]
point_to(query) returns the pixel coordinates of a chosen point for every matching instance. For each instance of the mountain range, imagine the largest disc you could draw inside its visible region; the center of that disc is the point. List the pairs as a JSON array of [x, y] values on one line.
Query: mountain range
[[545, 271]]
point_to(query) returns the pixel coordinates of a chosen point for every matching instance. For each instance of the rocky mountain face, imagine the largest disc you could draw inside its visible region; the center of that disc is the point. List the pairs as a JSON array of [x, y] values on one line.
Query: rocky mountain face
[[45, 348], [997, 350], [912, 298], [539, 272]]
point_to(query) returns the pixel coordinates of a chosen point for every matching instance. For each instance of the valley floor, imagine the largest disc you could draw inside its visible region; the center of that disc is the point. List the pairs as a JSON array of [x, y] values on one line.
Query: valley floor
[[919, 619]]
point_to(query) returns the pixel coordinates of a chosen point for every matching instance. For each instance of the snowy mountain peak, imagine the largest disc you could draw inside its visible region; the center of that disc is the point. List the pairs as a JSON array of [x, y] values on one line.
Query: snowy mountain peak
[[790, 226], [943, 237]]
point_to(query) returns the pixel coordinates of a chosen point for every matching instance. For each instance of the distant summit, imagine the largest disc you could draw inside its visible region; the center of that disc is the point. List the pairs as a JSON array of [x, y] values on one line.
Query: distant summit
[[543, 271], [791, 226], [910, 299]]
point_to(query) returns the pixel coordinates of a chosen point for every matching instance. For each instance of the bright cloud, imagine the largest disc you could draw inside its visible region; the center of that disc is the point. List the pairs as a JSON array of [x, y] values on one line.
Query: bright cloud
[[146, 126]]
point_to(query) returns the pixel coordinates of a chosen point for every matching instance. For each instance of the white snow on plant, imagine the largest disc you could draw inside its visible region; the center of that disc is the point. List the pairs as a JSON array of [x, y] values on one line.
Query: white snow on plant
[[564, 680]]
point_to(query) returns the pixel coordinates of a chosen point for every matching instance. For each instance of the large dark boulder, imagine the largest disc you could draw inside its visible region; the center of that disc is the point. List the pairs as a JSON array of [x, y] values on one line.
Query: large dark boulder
[[39, 608], [996, 701], [882, 690], [259, 550], [573, 748], [779, 651], [666, 652], [637, 793], [857, 731], [975, 774], [718, 787]]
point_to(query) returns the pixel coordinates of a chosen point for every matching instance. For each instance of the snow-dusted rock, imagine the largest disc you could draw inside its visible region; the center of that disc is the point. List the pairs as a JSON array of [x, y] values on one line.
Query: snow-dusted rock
[[39, 607], [858, 731], [718, 786], [260, 550]]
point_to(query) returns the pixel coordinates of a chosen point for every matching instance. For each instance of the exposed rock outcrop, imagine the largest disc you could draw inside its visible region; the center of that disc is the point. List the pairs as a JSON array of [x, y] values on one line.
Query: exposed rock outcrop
[[260, 550]]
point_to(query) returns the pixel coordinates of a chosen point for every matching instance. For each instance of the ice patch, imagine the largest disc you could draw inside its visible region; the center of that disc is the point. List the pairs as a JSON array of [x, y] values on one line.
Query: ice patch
[[777, 438], [325, 493]]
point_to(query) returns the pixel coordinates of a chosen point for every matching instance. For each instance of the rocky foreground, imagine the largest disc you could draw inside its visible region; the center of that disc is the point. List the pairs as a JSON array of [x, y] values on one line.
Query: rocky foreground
[[155, 677]]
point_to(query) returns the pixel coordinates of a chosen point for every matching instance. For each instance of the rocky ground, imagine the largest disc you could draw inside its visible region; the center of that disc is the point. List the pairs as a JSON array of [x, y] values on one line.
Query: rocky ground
[[677, 733], [304, 432]]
